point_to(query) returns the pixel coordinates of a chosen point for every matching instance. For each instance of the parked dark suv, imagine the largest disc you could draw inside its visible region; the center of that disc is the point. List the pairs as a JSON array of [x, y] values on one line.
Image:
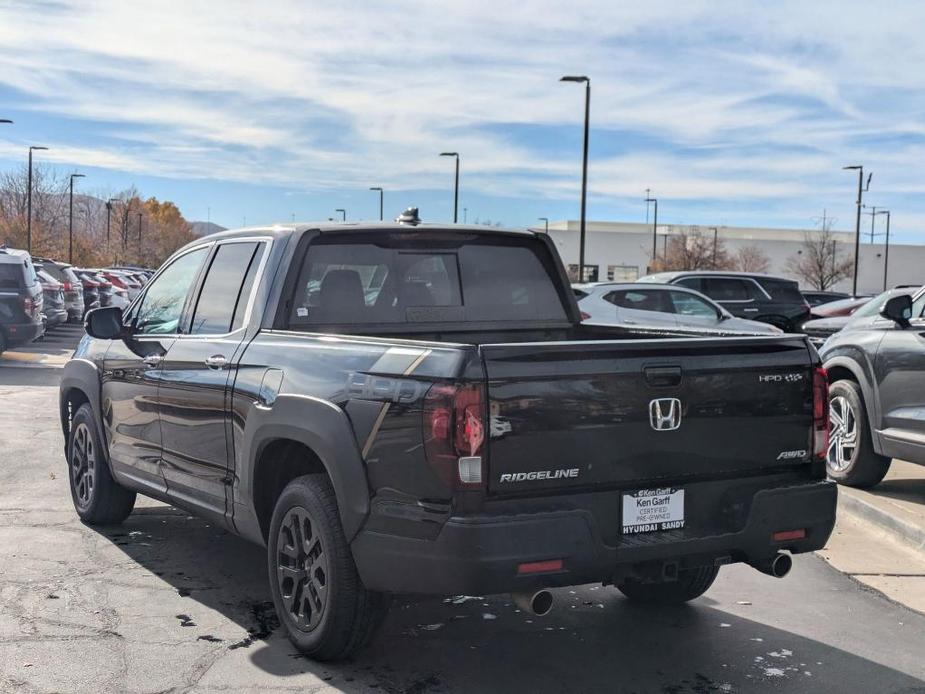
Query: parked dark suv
[[20, 299], [877, 392], [774, 300]]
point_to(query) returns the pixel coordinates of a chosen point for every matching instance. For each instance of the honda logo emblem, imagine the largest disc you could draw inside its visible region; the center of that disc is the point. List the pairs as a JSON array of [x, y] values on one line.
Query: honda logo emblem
[[665, 414]]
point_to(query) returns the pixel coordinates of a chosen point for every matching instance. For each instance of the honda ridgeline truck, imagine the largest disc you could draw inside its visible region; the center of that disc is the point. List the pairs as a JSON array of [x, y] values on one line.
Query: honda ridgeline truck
[[410, 408]]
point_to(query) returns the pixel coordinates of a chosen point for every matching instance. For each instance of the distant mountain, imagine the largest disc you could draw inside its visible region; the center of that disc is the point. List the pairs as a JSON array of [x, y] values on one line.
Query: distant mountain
[[205, 228]]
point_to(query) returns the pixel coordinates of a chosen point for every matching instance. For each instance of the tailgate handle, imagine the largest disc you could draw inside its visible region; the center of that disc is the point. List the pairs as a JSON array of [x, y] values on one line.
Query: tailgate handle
[[663, 375]]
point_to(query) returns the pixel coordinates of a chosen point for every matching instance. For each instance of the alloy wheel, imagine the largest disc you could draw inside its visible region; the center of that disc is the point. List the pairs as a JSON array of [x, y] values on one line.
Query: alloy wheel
[[302, 569], [843, 439], [83, 465]]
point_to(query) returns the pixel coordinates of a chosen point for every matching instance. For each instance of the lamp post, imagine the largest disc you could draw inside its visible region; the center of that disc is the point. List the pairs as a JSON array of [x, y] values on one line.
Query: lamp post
[[70, 220], [140, 215], [343, 214], [108, 223], [381, 194], [546, 220], [873, 218], [456, 187], [584, 170], [29, 202], [715, 240], [886, 249], [857, 225], [654, 230]]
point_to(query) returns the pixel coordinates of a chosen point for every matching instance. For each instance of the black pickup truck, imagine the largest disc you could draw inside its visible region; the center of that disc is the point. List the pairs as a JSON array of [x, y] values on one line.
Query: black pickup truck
[[407, 408]]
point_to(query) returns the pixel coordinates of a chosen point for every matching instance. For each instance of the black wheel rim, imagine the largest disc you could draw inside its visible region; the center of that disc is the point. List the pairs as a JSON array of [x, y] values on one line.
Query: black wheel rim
[[83, 465], [302, 569]]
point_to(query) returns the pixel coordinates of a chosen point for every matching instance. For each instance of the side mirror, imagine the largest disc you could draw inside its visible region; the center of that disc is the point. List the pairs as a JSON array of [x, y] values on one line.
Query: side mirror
[[898, 309], [104, 323]]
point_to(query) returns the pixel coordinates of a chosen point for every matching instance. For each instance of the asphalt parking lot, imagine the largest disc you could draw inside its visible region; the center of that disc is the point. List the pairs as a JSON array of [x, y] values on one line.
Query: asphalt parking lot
[[166, 602]]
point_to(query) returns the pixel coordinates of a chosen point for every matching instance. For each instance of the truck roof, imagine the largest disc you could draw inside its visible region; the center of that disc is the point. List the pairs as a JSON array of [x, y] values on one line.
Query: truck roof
[[353, 227]]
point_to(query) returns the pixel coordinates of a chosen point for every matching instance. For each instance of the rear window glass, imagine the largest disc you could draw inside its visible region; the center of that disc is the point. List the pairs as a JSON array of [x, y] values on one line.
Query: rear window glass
[[11, 276], [727, 289], [781, 290], [641, 300], [365, 283]]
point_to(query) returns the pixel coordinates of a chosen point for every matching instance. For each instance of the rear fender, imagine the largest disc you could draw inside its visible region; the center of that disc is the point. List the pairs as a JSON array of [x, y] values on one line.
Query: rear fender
[[325, 429], [862, 374]]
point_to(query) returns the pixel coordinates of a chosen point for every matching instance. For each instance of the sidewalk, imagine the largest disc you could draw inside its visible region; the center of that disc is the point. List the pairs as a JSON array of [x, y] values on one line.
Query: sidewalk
[[879, 538], [896, 505]]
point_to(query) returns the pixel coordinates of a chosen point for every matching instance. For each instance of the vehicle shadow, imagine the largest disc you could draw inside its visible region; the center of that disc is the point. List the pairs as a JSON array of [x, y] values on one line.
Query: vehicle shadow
[[912, 490], [594, 640]]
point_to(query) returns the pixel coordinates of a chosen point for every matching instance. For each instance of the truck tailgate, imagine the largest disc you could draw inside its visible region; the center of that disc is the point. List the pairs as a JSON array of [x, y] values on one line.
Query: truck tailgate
[[638, 412]]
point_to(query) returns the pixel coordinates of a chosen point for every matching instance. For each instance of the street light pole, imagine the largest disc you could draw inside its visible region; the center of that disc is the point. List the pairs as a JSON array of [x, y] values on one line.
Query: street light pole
[[654, 230], [886, 249], [546, 220], [584, 170], [715, 239], [70, 220], [108, 224], [857, 223], [343, 214], [456, 187], [379, 188], [29, 203], [140, 214], [873, 217]]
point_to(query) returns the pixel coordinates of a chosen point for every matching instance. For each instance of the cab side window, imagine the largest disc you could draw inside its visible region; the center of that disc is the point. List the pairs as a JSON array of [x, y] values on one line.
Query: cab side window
[[162, 305], [226, 290]]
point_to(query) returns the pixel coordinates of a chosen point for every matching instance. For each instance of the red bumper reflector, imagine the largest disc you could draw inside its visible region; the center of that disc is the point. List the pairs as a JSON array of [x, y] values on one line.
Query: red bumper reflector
[[784, 535], [538, 567]]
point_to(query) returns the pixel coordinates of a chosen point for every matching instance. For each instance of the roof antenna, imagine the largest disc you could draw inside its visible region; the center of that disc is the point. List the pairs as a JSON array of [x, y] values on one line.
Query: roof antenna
[[409, 216]]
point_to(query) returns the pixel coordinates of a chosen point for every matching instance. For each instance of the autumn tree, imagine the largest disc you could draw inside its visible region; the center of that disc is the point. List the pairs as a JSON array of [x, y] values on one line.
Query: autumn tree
[[751, 259], [819, 262]]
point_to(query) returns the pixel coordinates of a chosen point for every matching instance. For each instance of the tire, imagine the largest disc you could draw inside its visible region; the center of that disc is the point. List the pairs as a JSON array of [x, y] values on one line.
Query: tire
[[691, 584], [851, 459], [319, 597], [98, 498]]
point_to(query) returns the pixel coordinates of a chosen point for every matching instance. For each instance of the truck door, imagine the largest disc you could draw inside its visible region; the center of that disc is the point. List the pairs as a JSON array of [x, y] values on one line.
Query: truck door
[[195, 377]]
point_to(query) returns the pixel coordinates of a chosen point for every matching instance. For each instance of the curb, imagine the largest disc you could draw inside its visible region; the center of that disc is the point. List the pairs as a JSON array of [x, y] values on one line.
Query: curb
[[903, 531]]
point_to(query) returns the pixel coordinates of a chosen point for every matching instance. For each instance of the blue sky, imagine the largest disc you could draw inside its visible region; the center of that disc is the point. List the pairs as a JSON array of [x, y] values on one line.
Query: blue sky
[[735, 113]]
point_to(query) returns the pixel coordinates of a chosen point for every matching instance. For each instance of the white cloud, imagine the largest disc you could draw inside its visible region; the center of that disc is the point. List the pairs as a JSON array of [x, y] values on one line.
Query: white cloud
[[315, 95]]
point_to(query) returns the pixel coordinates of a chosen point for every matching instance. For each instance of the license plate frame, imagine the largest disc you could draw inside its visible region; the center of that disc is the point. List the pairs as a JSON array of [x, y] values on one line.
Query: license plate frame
[[652, 510]]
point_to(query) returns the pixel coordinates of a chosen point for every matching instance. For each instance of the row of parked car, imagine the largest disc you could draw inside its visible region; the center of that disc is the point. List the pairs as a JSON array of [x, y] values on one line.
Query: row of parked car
[[707, 302], [37, 294]]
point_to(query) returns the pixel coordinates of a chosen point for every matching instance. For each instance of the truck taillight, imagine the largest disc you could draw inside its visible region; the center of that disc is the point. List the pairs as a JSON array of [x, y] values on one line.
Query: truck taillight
[[28, 305], [454, 434], [820, 412]]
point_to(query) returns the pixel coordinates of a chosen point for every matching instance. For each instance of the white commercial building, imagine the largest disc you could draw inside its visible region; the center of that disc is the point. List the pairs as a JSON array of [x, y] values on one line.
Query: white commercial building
[[621, 250]]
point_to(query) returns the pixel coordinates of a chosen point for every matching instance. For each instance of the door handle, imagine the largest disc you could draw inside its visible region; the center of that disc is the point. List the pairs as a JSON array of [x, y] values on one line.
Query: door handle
[[751, 310], [216, 361], [153, 360]]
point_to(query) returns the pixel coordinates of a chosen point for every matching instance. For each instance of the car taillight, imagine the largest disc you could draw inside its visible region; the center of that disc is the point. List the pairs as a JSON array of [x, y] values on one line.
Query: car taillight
[[117, 282], [28, 305], [454, 434], [820, 412], [68, 287], [585, 316]]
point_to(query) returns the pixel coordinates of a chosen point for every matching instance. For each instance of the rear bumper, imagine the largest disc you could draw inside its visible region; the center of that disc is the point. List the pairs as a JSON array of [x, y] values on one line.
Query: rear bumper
[[481, 554], [22, 333]]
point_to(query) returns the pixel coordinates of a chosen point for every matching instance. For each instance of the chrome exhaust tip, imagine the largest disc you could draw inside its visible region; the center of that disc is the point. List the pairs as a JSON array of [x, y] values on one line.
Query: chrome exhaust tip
[[538, 603], [777, 566]]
